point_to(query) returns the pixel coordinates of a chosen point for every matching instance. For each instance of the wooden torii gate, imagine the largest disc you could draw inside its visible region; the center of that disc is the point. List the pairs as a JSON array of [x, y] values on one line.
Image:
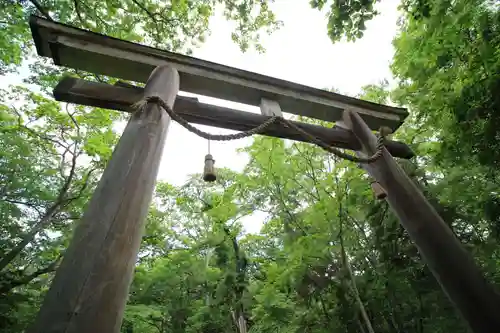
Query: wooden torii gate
[[89, 291]]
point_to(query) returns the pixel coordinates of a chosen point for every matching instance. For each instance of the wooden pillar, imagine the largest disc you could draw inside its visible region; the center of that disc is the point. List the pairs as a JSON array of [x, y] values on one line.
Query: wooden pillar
[[453, 267], [90, 289]]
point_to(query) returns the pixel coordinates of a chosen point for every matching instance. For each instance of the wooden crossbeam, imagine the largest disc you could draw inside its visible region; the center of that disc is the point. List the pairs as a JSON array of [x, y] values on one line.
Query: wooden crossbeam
[[100, 54], [122, 96]]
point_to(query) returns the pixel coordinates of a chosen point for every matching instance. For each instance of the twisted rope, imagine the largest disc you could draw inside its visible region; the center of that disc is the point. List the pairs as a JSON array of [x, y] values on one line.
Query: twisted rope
[[256, 130]]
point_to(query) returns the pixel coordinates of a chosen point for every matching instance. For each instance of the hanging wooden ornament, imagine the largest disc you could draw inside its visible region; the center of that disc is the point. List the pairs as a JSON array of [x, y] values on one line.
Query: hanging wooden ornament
[[378, 190], [209, 169]]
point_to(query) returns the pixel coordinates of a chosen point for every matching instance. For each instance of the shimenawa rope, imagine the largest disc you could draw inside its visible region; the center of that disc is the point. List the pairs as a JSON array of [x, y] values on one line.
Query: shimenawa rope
[[256, 130]]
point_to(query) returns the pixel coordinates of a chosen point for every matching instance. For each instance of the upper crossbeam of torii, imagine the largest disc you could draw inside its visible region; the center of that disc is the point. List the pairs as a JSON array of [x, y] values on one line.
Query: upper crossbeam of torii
[[100, 54], [90, 289]]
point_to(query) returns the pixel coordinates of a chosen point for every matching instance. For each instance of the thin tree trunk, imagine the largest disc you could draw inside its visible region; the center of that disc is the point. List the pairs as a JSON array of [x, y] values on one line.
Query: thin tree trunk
[[354, 288], [49, 214], [362, 309], [239, 321], [12, 254]]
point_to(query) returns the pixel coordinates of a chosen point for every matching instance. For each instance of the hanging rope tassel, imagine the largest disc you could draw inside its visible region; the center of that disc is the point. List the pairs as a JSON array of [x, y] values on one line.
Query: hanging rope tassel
[[378, 190], [209, 170]]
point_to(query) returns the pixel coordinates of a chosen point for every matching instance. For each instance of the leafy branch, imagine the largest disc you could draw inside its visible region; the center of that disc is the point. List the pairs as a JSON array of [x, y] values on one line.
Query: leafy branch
[[41, 9], [60, 202], [5, 287]]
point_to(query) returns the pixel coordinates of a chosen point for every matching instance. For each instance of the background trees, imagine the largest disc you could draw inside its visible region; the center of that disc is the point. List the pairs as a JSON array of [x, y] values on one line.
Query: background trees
[[329, 258]]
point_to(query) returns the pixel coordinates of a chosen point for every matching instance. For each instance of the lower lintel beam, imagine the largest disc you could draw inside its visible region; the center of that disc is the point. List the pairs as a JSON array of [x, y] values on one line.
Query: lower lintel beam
[[121, 97]]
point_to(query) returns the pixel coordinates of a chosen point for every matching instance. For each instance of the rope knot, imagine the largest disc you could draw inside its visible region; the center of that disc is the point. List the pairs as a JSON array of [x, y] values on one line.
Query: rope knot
[[152, 99]]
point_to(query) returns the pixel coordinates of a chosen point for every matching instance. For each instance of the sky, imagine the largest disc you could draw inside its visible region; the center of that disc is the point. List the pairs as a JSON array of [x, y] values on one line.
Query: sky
[[300, 52]]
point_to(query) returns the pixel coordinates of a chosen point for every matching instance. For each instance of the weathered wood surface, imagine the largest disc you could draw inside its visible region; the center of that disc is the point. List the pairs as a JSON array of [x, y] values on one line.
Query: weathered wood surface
[[96, 53], [270, 108], [91, 286], [121, 98], [450, 263]]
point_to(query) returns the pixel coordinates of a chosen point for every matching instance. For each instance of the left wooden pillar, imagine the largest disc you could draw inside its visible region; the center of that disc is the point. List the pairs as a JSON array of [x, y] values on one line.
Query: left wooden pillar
[[90, 289]]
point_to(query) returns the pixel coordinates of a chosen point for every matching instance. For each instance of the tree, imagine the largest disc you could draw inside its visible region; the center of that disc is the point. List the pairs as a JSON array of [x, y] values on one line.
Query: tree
[[347, 19], [50, 165], [329, 257], [436, 68], [54, 153], [178, 26]]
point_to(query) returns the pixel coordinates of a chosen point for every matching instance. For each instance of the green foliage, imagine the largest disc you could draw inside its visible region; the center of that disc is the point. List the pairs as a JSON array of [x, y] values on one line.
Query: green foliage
[[53, 154], [178, 25], [14, 36], [50, 164], [449, 75], [347, 18], [197, 270]]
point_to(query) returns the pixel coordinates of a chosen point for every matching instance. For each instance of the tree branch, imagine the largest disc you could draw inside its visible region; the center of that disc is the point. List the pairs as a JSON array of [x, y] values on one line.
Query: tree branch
[[18, 202], [45, 220], [151, 15], [41, 9], [78, 13], [27, 279], [84, 186], [351, 275]]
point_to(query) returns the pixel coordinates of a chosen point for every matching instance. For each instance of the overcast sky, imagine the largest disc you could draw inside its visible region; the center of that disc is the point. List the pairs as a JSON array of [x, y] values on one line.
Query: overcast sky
[[300, 52]]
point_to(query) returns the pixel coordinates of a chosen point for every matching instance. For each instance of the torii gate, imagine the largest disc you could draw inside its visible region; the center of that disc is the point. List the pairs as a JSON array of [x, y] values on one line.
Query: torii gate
[[90, 289]]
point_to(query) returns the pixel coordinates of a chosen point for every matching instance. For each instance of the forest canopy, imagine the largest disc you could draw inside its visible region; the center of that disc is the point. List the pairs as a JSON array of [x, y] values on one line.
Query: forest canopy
[[329, 257]]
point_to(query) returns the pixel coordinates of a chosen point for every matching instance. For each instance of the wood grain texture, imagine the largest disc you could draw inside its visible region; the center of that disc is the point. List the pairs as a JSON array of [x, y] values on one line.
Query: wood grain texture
[[91, 286], [450, 263], [96, 53], [122, 96]]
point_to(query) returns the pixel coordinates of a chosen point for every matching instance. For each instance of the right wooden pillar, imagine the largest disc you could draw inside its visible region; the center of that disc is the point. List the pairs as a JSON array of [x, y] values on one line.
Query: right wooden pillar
[[452, 266]]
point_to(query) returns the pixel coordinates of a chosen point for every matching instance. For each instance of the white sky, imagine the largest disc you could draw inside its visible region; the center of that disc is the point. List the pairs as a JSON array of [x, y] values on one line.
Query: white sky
[[300, 52]]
